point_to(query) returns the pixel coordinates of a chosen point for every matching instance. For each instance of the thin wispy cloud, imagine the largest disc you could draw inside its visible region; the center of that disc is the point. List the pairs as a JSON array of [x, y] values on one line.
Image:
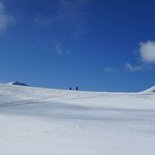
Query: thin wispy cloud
[[42, 20], [67, 22], [71, 13], [133, 68], [109, 70], [69, 9], [5, 18], [60, 49]]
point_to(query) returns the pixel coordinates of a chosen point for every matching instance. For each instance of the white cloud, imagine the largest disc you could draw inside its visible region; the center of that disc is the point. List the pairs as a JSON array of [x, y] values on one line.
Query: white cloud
[[146, 56], [5, 18], [133, 68], [147, 51], [109, 70]]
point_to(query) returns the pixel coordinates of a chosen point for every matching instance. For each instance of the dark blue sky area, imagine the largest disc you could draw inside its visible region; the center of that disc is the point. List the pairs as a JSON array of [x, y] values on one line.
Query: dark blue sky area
[[98, 45]]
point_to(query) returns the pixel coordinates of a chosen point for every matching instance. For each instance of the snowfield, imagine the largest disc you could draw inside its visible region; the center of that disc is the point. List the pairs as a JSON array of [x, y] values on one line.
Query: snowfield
[[37, 121]]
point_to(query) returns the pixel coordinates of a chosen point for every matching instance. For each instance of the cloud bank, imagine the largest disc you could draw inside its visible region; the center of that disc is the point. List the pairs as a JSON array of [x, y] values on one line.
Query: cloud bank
[[5, 18]]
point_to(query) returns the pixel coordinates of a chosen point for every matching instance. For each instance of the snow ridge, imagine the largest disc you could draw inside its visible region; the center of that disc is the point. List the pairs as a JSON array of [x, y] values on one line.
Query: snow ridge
[[17, 83], [149, 90]]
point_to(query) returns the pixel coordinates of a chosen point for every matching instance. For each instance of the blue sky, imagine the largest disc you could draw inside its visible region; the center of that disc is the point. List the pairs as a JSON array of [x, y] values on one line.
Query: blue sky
[[99, 45]]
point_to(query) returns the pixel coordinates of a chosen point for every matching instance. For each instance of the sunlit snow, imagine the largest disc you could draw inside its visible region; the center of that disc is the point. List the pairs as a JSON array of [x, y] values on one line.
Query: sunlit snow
[[36, 121]]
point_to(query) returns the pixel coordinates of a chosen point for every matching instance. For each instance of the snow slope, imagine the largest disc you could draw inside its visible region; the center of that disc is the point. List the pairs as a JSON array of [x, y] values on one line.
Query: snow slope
[[37, 121]]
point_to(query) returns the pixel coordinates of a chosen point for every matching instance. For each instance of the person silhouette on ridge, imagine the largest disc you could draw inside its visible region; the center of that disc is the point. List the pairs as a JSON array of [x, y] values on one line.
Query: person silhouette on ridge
[[77, 88]]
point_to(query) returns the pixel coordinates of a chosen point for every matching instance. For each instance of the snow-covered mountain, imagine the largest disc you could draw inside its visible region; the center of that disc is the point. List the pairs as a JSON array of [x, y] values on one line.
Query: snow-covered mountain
[[37, 121], [17, 83]]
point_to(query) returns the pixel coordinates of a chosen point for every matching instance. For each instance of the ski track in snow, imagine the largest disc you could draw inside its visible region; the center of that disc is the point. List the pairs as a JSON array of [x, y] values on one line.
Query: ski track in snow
[[36, 121]]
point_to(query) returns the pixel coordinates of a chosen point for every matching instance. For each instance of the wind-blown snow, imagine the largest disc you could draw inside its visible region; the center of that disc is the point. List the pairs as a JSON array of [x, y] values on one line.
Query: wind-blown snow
[[36, 121]]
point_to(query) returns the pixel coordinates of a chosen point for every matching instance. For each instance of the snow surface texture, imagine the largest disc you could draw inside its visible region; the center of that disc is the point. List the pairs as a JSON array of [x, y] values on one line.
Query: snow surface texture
[[35, 121]]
